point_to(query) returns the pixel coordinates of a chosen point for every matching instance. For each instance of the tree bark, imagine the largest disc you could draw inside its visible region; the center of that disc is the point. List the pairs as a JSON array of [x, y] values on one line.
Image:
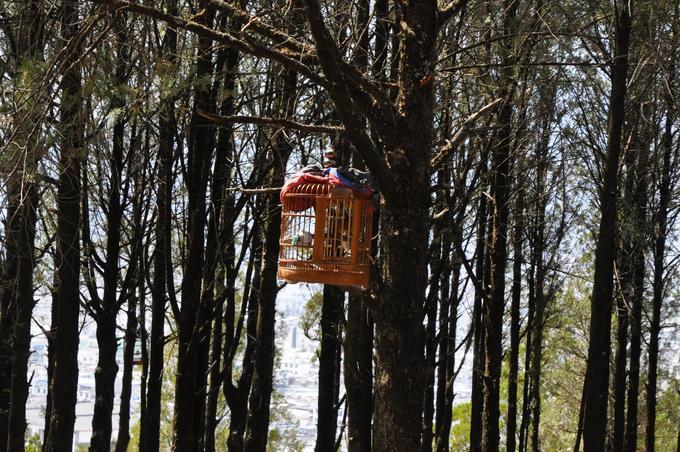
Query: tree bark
[[596, 386], [107, 367], [358, 371], [478, 360], [330, 324], [150, 433], [659, 266], [64, 381], [640, 246], [191, 327], [515, 319], [257, 425]]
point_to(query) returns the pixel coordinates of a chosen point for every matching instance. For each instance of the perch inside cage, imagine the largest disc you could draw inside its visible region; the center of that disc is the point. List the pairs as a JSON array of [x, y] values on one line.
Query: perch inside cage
[[325, 235]]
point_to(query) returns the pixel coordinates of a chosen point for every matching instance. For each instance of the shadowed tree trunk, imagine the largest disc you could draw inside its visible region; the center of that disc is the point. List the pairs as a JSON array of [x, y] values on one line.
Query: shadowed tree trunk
[[237, 395], [257, 424], [191, 314], [659, 265], [358, 363], [20, 152], [162, 266], [221, 265], [478, 360], [64, 382], [518, 234], [136, 272], [500, 192], [638, 256], [107, 311], [330, 325], [596, 386]]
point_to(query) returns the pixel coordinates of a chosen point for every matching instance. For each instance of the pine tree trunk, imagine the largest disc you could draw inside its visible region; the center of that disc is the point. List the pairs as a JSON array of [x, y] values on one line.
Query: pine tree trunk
[[237, 395], [257, 425], [107, 367], [19, 167], [436, 268], [493, 310], [620, 357], [515, 320], [187, 433], [126, 390], [162, 268], [25, 221], [476, 398], [659, 267], [64, 381], [448, 324], [330, 325], [596, 386], [50, 367], [358, 364]]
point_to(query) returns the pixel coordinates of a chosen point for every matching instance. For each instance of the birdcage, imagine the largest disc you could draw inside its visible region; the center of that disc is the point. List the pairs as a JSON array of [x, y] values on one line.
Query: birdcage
[[325, 235]]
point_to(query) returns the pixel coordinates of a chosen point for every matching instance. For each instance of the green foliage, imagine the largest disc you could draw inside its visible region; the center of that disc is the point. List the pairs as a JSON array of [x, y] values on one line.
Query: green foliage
[[283, 429], [310, 320], [564, 356], [33, 443], [459, 439], [667, 416], [134, 436]]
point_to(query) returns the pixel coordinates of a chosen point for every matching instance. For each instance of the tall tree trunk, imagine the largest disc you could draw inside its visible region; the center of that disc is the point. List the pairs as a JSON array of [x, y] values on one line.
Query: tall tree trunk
[[137, 267], [436, 269], [19, 168], [64, 381], [526, 390], [191, 329], [107, 367], [638, 256], [596, 386], [358, 364], [237, 395], [126, 390], [540, 300], [477, 399], [222, 238], [659, 266], [50, 366], [357, 346], [150, 434], [22, 228], [620, 355], [330, 324], [257, 425], [448, 324], [515, 319], [500, 191]]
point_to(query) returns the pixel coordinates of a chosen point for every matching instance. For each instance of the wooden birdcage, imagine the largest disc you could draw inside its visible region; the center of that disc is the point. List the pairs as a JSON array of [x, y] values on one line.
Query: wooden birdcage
[[325, 236]]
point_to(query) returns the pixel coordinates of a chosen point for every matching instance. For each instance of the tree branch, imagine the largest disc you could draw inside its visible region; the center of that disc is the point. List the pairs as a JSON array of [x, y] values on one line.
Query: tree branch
[[277, 122], [337, 88], [462, 133], [247, 45], [450, 10]]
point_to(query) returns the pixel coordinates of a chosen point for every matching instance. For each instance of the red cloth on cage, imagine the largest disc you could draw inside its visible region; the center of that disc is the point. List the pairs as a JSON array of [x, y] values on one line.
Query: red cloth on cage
[[303, 202]]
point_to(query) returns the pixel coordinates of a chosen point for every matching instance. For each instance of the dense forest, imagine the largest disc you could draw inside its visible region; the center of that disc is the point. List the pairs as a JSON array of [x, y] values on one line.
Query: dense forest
[[527, 154]]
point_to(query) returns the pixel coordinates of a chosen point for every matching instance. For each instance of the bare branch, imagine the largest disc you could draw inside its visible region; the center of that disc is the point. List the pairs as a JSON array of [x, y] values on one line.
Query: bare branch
[[278, 122], [337, 88], [450, 10], [462, 133], [247, 45]]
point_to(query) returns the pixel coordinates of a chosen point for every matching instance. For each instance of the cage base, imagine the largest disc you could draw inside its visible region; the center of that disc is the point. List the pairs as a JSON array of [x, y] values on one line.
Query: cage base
[[331, 277]]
